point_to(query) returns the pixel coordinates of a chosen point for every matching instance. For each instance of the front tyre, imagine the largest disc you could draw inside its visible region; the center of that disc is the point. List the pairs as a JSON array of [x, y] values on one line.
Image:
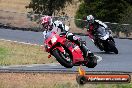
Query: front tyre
[[113, 48], [63, 59]]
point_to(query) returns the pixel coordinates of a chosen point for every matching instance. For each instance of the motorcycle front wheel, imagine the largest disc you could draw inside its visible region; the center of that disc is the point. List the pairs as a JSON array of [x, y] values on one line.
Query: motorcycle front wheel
[[112, 46], [64, 59]]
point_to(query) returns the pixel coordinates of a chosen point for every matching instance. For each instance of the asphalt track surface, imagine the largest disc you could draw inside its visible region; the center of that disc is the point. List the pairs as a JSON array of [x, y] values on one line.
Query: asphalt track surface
[[121, 62]]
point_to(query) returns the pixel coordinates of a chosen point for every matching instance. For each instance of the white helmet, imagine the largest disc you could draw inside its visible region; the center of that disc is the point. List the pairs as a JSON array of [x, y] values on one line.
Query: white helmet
[[61, 25], [90, 19], [57, 23]]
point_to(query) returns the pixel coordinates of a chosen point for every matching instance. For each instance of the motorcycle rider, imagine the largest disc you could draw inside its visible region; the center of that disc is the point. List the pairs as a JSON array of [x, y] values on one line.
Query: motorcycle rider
[[93, 25], [62, 29]]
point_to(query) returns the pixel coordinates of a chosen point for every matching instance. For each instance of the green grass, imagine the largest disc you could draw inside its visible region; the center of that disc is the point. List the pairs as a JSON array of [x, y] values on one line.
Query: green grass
[[3, 53], [115, 85], [20, 54]]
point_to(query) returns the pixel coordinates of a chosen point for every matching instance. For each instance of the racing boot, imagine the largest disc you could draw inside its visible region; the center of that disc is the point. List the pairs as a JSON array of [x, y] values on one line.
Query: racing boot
[[86, 52], [81, 45]]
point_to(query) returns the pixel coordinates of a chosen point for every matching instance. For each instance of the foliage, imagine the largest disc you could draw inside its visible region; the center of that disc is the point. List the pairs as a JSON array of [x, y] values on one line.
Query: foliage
[[127, 19], [47, 7], [105, 10]]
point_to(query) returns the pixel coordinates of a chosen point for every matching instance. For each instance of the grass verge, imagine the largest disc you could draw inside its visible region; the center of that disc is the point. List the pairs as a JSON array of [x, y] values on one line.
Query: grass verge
[[46, 80], [3, 53], [19, 54]]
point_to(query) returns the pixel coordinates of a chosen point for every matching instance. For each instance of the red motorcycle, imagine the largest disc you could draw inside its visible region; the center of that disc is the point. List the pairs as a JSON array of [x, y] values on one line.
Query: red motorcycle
[[67, 53]]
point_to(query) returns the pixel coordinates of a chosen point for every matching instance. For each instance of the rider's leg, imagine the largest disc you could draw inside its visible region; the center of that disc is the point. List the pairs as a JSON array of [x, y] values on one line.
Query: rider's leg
[[82, 46]]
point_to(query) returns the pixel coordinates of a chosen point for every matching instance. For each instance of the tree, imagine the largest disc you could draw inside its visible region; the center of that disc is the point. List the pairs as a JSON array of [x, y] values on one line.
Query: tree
[[129, 1], [127, 19], [105, 10], [47, 7]]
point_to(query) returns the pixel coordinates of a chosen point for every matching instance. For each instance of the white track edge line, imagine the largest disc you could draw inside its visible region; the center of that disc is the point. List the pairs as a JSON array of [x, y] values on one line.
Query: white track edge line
[[21, 42]]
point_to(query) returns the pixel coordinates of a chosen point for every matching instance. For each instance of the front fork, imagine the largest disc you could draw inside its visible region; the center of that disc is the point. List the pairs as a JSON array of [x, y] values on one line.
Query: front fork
[[112, 39], [60, 48]]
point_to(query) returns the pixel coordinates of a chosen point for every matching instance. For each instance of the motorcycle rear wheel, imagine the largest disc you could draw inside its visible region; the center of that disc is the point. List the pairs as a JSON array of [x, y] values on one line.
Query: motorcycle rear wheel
[[92, 62], [60, 57]]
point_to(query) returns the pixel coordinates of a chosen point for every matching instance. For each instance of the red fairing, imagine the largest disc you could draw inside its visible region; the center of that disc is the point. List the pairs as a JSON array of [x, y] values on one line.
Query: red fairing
[[74, 49], [77, 54]]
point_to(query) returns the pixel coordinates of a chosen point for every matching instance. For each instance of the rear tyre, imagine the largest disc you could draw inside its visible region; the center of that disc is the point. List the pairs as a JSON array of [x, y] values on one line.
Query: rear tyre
[[61, 58], [92, 62]]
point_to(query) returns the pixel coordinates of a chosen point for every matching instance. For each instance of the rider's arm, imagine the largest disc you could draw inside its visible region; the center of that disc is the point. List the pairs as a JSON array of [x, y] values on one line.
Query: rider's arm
[[44, 34], [86, 27], [101, 24]]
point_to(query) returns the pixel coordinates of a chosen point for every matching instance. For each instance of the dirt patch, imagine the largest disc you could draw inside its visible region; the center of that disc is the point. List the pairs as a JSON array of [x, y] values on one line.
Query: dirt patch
[[14, 5], [16, 20], [21, 20], [48, 80], [16, 80]]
